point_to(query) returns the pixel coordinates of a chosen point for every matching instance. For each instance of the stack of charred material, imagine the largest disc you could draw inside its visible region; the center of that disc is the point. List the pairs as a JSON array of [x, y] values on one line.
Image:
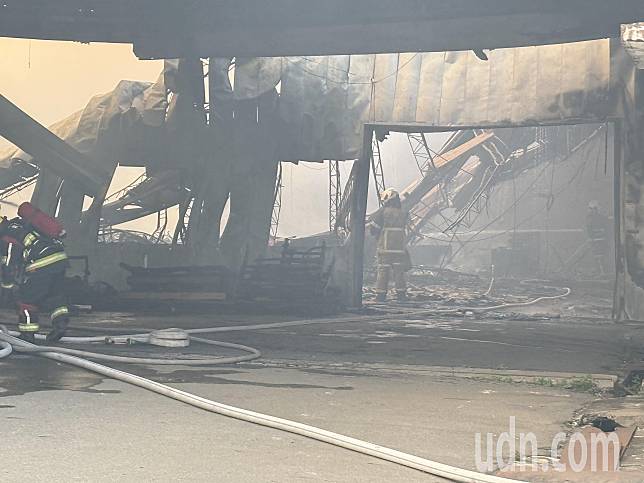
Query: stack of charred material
[[176, 285], [297, 281]]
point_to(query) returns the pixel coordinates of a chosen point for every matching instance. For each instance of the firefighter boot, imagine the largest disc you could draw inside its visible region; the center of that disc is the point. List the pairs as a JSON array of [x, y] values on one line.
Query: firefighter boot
[[28, 322], [59, 322], [382, 282]]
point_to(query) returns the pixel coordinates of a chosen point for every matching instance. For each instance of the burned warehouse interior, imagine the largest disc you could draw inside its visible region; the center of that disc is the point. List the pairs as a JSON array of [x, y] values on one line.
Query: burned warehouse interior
[[413, 231]]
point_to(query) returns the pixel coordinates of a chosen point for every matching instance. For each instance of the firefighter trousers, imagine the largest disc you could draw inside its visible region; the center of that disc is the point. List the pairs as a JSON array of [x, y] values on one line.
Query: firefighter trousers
[[384, 273], [42, 291]]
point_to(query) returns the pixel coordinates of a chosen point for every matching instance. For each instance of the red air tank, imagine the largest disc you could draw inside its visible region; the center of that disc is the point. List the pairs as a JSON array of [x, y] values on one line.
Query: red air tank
[[41, 221]]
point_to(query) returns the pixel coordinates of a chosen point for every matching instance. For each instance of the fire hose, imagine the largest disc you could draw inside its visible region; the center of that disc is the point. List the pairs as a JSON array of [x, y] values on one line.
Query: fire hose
[[381, 452], [8, 343]]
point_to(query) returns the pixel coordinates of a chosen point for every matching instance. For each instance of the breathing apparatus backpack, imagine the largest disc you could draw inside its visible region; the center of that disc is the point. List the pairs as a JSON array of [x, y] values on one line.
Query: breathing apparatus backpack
[[40, 221]]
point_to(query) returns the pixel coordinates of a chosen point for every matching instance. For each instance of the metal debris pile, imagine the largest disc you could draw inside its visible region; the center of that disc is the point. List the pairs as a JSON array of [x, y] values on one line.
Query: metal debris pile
[[294, 280], [187, 285]]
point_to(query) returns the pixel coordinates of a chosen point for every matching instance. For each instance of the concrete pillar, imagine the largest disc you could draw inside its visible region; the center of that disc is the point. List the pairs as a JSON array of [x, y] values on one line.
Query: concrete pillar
[[358, 215], [45, 195]]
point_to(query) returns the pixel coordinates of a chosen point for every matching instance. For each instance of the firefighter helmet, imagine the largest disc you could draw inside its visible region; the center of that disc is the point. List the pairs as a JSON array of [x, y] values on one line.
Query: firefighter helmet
[[388, 194]]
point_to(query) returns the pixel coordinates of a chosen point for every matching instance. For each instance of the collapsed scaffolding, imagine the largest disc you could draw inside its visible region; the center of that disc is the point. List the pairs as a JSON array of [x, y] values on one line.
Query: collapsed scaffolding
[[461, 176]]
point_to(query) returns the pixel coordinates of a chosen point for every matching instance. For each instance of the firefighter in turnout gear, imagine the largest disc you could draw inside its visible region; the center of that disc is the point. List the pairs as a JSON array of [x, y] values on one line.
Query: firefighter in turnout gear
[[33, 267], [392, 256]]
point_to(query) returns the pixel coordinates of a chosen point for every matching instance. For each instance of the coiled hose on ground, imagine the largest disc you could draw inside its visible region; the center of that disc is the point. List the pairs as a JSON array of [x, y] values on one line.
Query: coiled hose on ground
[[8, 343]]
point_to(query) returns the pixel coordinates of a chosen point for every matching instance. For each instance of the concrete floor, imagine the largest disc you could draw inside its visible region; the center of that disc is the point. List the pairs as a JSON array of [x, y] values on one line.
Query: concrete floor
[[370, 380], [105, 431]]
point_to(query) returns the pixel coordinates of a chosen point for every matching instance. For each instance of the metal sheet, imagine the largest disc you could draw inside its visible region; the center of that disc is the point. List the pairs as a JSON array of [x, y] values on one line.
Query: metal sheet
[[600, 457], [555, 83], [386, 67], [407, 86], [256, 76], [429, 93]]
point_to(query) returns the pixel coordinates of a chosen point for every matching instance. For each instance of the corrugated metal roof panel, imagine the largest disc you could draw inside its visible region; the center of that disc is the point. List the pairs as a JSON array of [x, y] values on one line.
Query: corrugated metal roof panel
[[554, 83]]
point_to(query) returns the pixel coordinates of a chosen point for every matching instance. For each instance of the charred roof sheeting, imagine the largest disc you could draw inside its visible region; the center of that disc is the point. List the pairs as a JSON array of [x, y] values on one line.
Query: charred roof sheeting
[[110, 129], [325, 101], [255, 76], [62, 158]]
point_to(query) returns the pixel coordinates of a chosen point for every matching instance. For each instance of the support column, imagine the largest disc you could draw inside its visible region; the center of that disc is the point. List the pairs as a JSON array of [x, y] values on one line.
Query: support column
[[91, 219], [619, 303], [71, 208], [253, 176], [186, 122], [45, 195], [629, 203], [219, 160], [358, 215]]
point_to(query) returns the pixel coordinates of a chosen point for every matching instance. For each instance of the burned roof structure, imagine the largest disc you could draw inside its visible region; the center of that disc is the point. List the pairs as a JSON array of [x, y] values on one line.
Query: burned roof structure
[[202, 151]]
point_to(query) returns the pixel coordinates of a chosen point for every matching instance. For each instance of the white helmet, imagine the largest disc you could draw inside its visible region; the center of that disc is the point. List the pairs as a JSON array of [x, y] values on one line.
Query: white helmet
[[388, 194]]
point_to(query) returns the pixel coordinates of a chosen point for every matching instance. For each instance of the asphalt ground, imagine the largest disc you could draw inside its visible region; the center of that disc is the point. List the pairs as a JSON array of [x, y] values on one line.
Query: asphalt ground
[[63, 424]]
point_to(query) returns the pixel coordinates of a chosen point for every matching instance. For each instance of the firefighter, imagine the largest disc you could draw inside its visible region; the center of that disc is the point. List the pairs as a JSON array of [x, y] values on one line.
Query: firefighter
[[392, 255], [33, 266]]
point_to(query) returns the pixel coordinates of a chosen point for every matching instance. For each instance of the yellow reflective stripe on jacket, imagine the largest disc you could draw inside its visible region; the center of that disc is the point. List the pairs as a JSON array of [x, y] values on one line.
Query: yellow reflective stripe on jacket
[[59, 311], [29, 239], [46, 261]]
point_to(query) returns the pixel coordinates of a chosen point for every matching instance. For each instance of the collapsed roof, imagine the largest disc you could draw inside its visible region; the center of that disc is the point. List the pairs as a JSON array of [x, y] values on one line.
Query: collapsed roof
[[325, 101]]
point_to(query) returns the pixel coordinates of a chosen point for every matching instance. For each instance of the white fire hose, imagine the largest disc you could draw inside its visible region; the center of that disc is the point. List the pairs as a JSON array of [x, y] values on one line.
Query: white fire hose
[[450, 472], [8, 343]]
